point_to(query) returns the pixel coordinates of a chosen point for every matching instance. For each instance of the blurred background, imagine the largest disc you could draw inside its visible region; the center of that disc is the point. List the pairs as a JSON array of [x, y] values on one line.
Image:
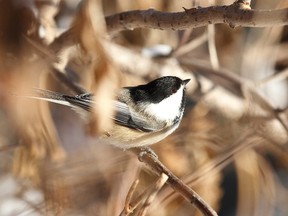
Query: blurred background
[[231, 146]]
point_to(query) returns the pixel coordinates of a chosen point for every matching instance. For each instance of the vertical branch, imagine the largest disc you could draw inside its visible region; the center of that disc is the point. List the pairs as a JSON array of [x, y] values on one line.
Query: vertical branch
[[158, 185], [47, 11], [212, 47]]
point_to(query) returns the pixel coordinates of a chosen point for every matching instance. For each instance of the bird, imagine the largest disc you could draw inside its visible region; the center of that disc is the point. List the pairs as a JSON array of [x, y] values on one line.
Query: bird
[[144, 114]]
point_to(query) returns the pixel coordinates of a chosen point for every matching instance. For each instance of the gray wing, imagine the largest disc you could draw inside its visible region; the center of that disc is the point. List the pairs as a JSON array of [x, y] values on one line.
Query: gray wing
[[128, 118], [123, 115]]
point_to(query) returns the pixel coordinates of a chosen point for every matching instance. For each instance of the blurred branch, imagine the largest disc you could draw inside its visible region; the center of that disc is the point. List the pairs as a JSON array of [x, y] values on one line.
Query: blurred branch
[[212, 47], [7, 147], [236, 14], [47, 10], [216, 164], [273, 78], [129, 207], [182, 50], [158, 185], [178, 185], [148, 195], [184, 38]]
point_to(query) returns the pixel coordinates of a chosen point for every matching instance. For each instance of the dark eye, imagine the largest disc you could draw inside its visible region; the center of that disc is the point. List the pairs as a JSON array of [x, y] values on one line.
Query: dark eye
[[174, 90]]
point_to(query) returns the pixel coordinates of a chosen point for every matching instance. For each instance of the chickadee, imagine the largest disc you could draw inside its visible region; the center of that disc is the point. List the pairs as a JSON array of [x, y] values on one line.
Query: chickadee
[[144, 114]]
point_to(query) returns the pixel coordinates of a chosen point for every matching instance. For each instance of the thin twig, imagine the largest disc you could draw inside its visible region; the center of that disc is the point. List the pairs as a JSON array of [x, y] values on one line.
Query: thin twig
[[131, 191], [49, 54], [184, 49], [47, 10], [8, 147], [131, 205], [215, 165], [273, 78], [238, 86], [158, 185], [185, 38], [175, 182], [132, 172], [212, 47]]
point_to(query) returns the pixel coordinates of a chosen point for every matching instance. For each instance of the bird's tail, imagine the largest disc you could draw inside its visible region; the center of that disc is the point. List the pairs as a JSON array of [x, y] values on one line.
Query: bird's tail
[[83, 101], [54, 97]]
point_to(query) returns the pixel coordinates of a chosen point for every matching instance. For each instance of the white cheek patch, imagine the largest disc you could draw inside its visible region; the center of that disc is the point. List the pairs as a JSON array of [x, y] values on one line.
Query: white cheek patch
[[168, 109]]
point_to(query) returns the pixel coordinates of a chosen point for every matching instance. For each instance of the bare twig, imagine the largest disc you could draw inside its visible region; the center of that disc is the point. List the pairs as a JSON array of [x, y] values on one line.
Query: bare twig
[[185, 37], [133, 204], [148, 195], [215, 165], [50, 55], [124, 184], [273, 78], [182, 50], [212, 47], [47, 11], [131, 191], [236, 14], [239, 87], [158, 185], [175, 182], [7, 147]]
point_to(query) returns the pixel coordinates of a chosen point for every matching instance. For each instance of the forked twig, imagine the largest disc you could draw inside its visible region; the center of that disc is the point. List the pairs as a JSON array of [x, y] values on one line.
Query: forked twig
[[158, 185], [190, 195], [147, 196], [128, 208]]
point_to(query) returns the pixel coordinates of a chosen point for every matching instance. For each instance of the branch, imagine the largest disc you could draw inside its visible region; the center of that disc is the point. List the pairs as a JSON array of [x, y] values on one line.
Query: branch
[[147, 196], [47, 11], [236, 14], [129, 208], [158, 185], [178, 185]]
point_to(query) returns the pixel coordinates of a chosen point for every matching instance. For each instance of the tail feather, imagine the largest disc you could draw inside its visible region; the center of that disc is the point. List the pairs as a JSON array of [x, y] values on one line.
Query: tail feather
[[85, 102], [51, 96]]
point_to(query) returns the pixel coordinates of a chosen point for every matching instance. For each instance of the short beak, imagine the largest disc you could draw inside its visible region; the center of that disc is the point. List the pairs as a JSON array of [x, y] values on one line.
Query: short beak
[[185, 81]]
